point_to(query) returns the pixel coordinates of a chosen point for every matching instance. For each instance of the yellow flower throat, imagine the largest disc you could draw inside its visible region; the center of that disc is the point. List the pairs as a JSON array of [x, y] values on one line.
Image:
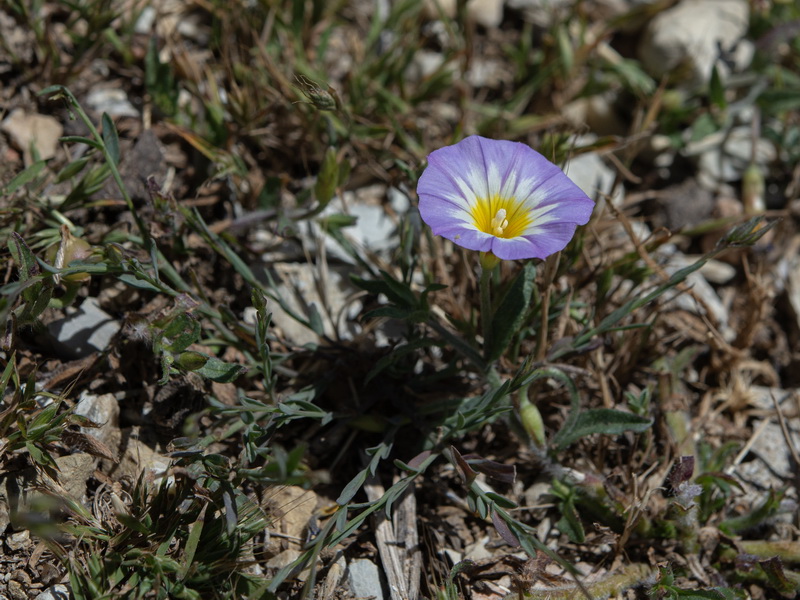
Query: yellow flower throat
[[500, 217]]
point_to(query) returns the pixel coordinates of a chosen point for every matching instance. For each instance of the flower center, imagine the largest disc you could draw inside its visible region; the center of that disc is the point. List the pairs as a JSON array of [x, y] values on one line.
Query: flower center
[[500, 217], [499, 223]]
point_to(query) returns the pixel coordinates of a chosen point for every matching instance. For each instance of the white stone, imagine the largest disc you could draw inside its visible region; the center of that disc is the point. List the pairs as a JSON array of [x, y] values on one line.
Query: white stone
[[375, 228], [488, 13], [541, 12], [365, 579], [147, 18], [83, 330], [299, 291], [594, 177], [486, 73], [690, 36], [58, 591], [26, 131], [701, 289], [723, 156], [424, 64], [18, 540], [113, 101], [103, 410], [399, 200]]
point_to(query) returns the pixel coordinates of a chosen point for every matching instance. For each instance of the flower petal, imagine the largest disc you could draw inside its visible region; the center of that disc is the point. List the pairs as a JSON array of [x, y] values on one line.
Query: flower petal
[[547, 239]]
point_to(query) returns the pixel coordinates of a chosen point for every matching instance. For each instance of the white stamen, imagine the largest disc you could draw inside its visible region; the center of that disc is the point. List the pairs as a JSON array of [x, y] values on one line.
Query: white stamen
[[499, 223]]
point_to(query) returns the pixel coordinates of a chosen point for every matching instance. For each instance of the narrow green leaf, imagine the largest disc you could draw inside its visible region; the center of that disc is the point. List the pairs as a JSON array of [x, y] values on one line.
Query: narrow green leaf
[[378, 452], [328, 179], [778, 101], [72, 169], [501, 501], [220, 371], [39, 457], [51, 90], [26, 261], [131, 280], [605, 421], [570, 523], [79, 139], [132, 523], [111, 138], [25, 177], [716, 90], [315, 320], [192, 542]]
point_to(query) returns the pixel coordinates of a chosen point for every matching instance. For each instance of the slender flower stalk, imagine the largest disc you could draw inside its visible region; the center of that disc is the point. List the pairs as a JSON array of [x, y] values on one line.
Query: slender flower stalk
[[486, 306]]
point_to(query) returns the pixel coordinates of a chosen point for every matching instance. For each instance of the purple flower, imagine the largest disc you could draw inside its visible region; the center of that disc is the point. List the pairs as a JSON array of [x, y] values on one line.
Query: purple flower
[[500, 197]]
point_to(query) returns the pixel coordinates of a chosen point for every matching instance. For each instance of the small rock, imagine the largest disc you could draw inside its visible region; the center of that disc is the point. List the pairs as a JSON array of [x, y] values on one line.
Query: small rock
[[771, 445], [74, 471], [592, 175], [19, 540], [398, 200], [17, 488], [424, 64], [83, 330], [542, 13], [113, 101], [374, 228], [283, 559], [144, 160], [102, 410], [723, 156], [292, 508], [477, 550], [488, 13], [297, 286], [684, 205], [788, 272], [16, 590], [487, 73], [33, 130], [147, 18], [55, 592], [336, 572], [365, 579], [137, 457], [693, 36], [716, 271], [701, 289]]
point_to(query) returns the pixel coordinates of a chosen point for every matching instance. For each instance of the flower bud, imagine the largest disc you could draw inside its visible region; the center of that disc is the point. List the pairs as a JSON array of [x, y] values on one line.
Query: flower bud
[[753, 191], [69, 249], [321, 99], [531, 420]]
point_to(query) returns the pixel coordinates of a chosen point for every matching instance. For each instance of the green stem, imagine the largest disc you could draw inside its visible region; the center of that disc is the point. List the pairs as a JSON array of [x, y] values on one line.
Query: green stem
[[629, 576], [787, 551], [486, 309]]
